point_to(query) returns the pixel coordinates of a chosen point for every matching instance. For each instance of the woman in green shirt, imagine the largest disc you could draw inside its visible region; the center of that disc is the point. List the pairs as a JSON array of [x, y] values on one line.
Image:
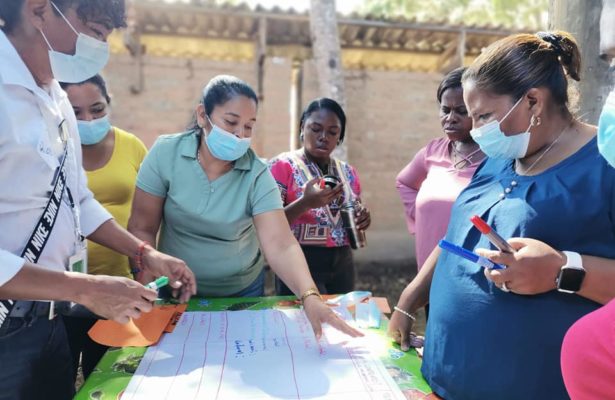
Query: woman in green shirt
[[214, 201]]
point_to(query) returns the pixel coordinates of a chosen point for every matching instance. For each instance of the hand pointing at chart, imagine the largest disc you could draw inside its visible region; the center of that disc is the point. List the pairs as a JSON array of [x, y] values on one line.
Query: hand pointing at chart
[[318, 313]]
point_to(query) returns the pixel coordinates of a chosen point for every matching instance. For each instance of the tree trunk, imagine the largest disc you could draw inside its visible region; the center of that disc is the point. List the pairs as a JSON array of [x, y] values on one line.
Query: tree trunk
[[327, 55], [581, 19]]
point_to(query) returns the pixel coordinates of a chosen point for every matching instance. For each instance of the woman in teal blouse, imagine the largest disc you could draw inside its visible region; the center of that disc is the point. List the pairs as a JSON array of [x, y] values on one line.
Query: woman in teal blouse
[[214, 201]]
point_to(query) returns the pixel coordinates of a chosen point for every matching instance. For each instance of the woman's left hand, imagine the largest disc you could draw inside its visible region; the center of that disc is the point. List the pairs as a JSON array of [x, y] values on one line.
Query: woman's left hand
[[181, 278], [532, 269], [318, 313], [363, 219]]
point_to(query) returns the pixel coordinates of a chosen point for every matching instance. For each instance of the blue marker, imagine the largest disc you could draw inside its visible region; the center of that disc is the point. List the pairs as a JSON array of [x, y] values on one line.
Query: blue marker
[[468, 255]]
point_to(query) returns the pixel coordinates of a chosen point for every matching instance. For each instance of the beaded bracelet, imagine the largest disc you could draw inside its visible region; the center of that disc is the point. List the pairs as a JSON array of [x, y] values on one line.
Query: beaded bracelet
[[407, 314], [310, 292], [139, 258]]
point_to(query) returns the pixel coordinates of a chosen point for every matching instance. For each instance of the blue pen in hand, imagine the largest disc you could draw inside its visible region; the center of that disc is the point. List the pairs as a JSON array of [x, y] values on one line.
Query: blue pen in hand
[[468, 255]]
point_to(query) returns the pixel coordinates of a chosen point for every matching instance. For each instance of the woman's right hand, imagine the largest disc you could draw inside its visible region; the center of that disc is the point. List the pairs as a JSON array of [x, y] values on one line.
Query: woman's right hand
[[319, 313], [315, 197], [113, 297], [400, 330]]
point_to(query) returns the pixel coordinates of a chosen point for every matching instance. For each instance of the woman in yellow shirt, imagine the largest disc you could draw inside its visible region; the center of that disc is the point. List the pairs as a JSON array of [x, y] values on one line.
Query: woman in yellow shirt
[[111, 159]]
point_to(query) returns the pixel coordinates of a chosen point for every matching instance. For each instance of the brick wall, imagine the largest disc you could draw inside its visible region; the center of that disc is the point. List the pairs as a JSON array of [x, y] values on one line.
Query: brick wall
[[391, 114]]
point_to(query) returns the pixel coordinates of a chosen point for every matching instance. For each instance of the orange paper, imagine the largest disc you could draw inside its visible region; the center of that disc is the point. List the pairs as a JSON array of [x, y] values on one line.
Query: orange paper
[[175, 318], [143, 331]]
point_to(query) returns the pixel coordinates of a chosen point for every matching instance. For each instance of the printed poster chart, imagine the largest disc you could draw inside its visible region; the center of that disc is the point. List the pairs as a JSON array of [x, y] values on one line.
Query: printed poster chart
[[260, 354]]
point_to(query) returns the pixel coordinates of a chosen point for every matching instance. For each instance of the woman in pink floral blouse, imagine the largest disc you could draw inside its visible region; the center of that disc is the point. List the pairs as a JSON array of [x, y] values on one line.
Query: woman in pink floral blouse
[[312, 209]]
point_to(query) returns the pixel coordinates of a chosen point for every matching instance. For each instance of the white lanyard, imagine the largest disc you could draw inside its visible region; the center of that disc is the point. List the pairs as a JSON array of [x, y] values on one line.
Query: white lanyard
[[51, 113], [80, 243]]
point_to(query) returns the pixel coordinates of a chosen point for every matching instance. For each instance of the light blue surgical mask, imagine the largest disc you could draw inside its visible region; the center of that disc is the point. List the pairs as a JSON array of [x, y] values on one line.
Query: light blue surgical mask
[[495, 144], [94, 131], [91, 56], [606, 130], [224, 145]]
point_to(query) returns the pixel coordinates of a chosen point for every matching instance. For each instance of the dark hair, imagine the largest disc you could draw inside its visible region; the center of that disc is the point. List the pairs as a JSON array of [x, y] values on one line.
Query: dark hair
[[96, 80], [517, 63], [452, 80], [325, 103], [218, 91], [111, 11]]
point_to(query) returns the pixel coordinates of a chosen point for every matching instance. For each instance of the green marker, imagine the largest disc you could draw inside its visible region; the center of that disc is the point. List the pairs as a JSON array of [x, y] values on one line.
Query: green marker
[[158, 283]]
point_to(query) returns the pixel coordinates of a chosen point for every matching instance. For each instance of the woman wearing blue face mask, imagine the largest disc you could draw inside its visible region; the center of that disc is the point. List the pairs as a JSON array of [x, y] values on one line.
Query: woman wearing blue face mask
[[111, 159], [216, 205], [544, 186]]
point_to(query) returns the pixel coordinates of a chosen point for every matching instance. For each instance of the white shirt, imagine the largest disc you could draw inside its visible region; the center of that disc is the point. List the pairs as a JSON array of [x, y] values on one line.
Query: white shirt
[[30, 152]]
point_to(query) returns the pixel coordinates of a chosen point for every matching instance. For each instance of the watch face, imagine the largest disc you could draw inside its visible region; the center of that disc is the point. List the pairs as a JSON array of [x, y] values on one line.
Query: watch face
[[570, 279]]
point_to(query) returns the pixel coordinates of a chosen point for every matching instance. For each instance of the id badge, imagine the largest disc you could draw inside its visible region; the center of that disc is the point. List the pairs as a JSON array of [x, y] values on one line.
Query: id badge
[[79, 261]]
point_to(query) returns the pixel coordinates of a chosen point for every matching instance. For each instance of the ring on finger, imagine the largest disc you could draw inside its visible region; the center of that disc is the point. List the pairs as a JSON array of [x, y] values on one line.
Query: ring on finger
[[504, 287]]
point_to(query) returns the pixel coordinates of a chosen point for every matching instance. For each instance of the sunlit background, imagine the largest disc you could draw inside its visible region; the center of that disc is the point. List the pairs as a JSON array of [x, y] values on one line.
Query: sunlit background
[[506, 13]]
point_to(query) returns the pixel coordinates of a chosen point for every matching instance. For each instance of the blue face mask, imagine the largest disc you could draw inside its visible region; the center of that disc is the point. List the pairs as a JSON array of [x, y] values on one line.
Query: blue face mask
[[495, 144], [92, 132], [606, 130], [224, 145]]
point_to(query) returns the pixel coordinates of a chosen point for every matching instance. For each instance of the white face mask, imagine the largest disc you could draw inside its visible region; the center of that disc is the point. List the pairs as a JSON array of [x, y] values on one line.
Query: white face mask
[[91, 55], [495, 144]]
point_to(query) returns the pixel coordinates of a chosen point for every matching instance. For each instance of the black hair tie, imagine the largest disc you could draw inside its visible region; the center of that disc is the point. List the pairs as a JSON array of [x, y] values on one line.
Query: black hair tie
[[554, 41]]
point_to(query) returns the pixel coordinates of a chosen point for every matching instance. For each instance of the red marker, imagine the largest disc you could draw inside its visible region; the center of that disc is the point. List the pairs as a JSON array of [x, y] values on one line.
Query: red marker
[[492, 235]]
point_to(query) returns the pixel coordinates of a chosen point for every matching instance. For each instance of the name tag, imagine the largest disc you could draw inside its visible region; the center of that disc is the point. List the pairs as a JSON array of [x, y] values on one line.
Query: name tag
[[44, 150], [79, 261]]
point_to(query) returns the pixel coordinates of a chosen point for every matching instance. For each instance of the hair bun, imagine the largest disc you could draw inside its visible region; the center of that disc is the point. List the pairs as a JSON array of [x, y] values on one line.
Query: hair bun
[[565, 48], [554, 40]]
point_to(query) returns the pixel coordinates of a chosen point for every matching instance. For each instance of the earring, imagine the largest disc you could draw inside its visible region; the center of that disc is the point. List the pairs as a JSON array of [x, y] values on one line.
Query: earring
[[535, 121], [301, 137]]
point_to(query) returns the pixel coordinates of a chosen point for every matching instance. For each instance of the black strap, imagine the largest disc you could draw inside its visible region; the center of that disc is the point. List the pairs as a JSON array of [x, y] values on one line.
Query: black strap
[[32, 252]]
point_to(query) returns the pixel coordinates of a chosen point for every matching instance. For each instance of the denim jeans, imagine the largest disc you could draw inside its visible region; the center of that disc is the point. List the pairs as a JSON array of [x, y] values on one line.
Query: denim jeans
[[255, 289], [35, 361], [81, 346]]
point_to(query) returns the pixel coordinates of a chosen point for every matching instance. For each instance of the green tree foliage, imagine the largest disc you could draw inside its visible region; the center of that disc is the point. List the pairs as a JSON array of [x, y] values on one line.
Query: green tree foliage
[[514, 14]]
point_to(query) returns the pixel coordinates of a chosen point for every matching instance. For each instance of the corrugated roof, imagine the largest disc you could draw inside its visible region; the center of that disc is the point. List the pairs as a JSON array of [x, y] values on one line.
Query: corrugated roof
[[291, 11], [206, 18]]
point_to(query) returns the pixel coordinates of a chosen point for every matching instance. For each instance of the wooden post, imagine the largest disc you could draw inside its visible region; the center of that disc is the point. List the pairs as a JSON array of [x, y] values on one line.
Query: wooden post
[[261, 53], [461, 47], [296, 92], [581, 18], [453, 55]]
